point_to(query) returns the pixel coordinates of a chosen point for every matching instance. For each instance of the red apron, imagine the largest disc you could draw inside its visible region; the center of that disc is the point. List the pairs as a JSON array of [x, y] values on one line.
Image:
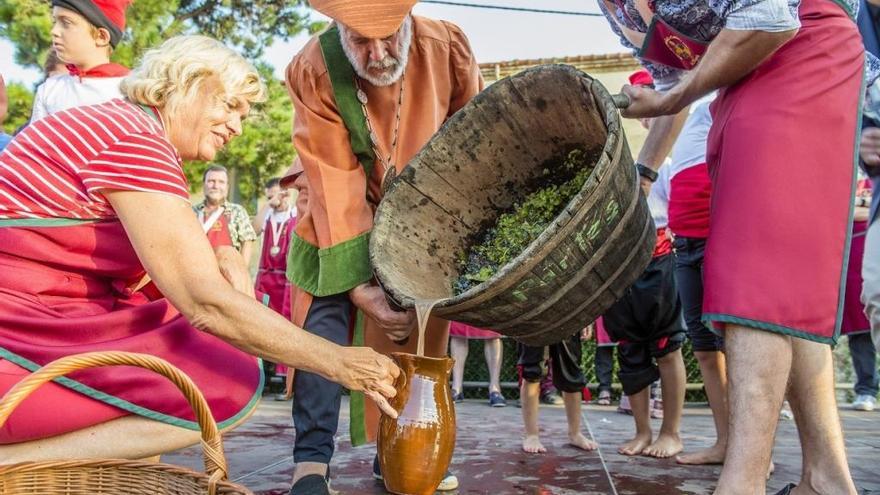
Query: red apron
[[271, 275], [854, 319], [781, 157], [602, 337], [66, 290], [463, 331], [271, 279]]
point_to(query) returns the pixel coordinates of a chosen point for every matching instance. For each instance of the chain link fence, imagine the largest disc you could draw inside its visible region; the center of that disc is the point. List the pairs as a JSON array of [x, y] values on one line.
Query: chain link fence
[[476, 374]]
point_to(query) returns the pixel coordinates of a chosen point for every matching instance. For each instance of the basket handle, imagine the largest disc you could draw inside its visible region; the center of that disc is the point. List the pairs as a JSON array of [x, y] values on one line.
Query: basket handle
[[212, 443]]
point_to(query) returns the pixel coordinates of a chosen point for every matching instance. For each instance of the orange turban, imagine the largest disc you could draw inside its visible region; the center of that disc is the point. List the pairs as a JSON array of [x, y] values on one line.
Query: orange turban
[[374, 19]]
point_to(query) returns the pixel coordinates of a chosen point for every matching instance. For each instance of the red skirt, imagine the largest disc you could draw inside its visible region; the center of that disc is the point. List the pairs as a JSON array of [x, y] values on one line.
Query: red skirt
[[781, 156], [464, 331], [854, 319]]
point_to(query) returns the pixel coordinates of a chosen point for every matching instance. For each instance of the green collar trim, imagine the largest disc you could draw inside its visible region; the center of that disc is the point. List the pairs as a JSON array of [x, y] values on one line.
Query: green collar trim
[[45, 222]]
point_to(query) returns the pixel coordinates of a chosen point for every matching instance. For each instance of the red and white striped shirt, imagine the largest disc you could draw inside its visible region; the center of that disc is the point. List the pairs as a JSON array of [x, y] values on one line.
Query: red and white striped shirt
[[56, 167]]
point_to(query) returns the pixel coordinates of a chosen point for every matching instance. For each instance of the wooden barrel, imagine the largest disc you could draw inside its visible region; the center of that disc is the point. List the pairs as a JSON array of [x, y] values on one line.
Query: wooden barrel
[[464, 177]]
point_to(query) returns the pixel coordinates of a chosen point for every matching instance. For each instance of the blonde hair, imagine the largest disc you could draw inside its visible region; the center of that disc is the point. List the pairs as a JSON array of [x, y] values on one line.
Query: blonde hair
[[171, 75]]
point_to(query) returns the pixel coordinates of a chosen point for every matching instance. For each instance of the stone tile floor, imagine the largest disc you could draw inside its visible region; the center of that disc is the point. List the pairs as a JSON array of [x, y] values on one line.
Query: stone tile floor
[[488, 459]]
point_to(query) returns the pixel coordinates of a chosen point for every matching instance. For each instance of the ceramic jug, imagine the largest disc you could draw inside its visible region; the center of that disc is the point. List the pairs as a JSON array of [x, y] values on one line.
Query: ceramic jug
[[415, 449]]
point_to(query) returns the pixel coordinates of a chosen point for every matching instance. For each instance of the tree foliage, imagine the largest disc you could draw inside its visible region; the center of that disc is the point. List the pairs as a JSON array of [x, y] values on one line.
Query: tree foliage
[[21, 100]]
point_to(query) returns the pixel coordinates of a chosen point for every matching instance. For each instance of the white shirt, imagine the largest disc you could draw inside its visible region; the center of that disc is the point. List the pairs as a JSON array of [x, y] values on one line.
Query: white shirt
[[66, 91]]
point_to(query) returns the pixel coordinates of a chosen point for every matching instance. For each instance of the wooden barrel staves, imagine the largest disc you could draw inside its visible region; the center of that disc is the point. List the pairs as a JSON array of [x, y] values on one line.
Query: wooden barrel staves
[[460, 181]]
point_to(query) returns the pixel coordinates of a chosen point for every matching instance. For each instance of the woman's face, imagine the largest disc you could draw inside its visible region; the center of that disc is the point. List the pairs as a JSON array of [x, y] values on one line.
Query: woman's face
[[203, 126]]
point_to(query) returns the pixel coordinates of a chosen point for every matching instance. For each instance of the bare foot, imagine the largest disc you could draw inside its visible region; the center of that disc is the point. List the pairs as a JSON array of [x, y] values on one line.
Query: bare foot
[[665, 446], [533, 445], [712, 455], [636, 445], [580, 441]]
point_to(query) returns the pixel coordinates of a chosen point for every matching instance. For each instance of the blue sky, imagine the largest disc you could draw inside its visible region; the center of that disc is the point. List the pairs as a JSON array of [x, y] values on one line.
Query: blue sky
[[495, 35]]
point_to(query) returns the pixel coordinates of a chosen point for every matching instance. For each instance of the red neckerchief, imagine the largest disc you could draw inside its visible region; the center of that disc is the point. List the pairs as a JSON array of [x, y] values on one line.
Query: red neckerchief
[[103, 70]]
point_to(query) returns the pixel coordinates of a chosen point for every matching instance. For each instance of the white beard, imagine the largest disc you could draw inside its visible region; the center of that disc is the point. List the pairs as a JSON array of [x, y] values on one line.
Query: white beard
[[387, 78]]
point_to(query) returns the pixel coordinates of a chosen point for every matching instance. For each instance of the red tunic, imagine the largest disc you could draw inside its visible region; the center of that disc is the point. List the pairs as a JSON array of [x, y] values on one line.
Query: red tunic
[[66, 272]]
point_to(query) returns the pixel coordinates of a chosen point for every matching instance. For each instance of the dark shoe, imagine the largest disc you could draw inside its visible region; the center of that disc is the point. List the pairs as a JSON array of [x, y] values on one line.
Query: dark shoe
[[496, 399], [552, 398], [787, 490], [313, 484], [457, 397], [377, 471]]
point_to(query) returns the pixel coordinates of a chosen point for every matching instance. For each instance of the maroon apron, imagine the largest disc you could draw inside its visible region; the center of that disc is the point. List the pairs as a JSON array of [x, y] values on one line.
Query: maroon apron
[[781, 158], [67, 290], [854, 319], [271, 275]]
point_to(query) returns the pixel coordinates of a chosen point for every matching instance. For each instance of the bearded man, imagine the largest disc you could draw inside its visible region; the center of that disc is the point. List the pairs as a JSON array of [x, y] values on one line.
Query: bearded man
[[368, 93]]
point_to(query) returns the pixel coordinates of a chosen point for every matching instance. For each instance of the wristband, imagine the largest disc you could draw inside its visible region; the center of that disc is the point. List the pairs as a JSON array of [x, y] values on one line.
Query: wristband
[[647, 172]]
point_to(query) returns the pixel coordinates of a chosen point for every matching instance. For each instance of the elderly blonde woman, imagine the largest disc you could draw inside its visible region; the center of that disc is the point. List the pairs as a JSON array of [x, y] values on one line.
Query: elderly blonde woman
[[99, 250]]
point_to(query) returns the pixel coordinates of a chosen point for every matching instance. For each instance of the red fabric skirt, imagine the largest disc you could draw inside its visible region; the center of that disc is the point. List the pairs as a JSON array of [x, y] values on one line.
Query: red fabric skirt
[[781, 158], [464, 331], [854, 319], [63, 291]]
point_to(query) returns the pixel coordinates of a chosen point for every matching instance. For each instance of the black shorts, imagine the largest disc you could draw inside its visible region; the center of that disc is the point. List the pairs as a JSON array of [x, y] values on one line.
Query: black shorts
[[565, 358], [647, 324], [689, 278]]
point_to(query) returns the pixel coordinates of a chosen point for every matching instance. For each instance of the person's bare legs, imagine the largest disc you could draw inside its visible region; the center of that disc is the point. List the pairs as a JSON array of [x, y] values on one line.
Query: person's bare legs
[[492, 350], [811, 395], [758, 366], [529, 393], [640, 403], [713, 367], [573, 415], [145, 438], [458, 350], [672, 381]]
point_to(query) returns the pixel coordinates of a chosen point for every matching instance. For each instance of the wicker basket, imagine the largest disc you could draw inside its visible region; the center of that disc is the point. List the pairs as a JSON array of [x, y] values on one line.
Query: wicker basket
[[117, 476]]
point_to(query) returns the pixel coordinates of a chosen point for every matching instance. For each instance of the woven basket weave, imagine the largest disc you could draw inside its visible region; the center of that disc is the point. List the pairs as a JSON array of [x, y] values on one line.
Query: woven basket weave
[[118, 476]]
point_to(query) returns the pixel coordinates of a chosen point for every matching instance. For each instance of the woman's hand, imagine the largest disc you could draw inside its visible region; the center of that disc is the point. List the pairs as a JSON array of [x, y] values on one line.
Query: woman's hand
[[365, 370], [234, 269], [371, 300]]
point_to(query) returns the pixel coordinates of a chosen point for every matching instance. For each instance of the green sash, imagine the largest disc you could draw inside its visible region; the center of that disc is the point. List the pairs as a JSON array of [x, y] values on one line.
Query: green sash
[[342, 78]]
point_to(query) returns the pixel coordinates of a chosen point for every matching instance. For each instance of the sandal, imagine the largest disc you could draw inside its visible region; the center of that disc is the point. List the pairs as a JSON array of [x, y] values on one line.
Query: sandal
[[604, 398], [787, 490]]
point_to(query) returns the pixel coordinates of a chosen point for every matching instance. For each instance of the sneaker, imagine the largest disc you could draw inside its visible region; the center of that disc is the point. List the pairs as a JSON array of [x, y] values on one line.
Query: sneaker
[[449, 481], [604, 398], [313, 484], [624, 407], [657, 408], [496, 399], [864, 403], [785, 413], [552, 398]]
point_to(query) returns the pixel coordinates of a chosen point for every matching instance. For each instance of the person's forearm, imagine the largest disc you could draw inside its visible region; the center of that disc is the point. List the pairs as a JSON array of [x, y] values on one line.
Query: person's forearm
[[731, 56], [247, 248], [259, 221], [244, 323], [661, 137]]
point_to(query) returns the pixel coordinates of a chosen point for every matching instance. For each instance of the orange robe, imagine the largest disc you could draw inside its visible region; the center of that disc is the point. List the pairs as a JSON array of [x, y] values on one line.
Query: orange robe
[[336, 218]]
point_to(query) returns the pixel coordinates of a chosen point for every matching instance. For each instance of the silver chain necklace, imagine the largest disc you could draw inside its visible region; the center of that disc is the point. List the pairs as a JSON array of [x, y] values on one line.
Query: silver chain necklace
[[390, 171]]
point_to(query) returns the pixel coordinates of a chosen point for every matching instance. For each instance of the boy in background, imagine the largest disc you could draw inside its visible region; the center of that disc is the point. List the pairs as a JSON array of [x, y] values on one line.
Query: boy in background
[[84, 33]]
